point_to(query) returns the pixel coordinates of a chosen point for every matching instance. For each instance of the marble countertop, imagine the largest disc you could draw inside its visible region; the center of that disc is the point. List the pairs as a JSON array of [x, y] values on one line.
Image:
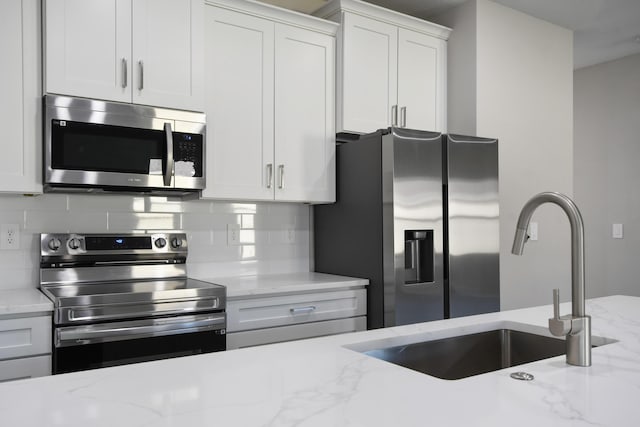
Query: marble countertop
[[23, 301], [319, 382], [240, 287]]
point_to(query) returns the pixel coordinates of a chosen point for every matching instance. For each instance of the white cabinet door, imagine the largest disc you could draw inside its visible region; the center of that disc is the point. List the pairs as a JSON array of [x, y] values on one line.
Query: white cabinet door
[[23, 368], [168, 40], [88, 48], [22, 337], [369, 74], [239, 104], [20, 104], [421, 68], [304, 123], [295, 332]]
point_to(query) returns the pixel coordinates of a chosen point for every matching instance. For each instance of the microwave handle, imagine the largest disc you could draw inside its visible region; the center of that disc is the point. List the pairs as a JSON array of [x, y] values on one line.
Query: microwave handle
[[168, 172]]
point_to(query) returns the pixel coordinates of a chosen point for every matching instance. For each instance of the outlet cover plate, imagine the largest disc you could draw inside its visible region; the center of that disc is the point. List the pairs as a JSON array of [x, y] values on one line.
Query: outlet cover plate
[[10, 235]]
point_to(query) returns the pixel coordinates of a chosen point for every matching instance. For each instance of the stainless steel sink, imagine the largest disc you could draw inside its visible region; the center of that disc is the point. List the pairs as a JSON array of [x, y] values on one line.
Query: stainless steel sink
[[467, 355]]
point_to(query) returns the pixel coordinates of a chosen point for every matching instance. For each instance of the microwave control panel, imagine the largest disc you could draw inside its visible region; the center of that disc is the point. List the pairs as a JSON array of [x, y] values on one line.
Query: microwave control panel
[[187, 147]]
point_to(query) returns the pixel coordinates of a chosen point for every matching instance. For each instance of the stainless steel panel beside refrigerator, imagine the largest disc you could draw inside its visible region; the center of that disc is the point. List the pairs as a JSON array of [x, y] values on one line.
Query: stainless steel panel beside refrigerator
[[416, 214]]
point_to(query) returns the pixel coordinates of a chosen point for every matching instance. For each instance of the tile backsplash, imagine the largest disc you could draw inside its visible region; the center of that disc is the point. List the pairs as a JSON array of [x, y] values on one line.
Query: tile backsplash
[[273, 238]]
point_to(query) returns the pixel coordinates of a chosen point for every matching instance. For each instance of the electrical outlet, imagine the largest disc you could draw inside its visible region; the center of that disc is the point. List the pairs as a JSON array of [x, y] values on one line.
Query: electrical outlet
[[289, 234], [233, 234], [10, 235]]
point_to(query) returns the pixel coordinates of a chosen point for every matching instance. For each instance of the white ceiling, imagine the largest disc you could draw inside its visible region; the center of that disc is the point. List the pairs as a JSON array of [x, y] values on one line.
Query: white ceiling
[[603, 29]]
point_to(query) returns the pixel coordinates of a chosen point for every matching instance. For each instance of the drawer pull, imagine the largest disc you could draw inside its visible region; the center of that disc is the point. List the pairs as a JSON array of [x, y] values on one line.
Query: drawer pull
[[303, 310]]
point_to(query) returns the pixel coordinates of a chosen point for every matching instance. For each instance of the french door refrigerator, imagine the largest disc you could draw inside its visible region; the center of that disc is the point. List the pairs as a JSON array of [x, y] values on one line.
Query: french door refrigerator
[[417, 215]]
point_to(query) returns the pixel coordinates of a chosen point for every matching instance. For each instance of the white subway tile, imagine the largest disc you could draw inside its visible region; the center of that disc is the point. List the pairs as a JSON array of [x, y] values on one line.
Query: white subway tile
[[44, 202], [124, 222], [106, 203], [65, 222]]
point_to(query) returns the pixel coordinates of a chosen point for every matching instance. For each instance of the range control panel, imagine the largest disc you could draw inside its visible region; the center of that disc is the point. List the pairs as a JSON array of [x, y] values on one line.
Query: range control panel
[[80, 245]]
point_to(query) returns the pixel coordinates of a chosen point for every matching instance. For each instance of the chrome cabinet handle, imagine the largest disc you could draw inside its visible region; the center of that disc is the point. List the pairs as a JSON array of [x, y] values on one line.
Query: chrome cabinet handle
[[141, 67], [168, 172], [394, 115], [403, 117], [302, 310], [124, 73], [281, 178], [269, 175]]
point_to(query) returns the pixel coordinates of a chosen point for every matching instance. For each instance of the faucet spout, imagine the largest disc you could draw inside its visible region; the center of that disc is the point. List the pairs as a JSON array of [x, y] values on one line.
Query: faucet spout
[[579, 335]]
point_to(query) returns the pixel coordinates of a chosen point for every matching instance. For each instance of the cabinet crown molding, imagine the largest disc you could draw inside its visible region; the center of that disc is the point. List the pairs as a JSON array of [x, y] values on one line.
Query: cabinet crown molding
[[385, 15], [277, 14]]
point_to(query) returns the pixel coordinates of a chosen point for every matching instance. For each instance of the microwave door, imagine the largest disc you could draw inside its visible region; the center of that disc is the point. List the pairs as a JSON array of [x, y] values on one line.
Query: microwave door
[[107, 155]]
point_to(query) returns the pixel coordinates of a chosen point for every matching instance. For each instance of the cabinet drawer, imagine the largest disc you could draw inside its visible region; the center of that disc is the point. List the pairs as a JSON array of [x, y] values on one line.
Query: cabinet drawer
[[27, 367], [257, 313], [26, 336], [295, 332]]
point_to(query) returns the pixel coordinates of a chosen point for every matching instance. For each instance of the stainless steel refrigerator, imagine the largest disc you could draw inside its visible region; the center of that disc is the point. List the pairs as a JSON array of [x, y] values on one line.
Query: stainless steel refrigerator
[[416, 214]]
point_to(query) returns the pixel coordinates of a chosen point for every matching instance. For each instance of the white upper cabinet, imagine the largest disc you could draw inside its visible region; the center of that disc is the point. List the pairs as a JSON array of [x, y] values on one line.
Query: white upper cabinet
[[168, 53], [21, 100], [239, 105], [391, 69], [269, 104], [304, 115], [143, 51], [421, 85], [369, 73]]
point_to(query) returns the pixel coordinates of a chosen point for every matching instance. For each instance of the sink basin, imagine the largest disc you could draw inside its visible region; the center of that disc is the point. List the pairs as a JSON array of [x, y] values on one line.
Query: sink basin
[[467, 355]]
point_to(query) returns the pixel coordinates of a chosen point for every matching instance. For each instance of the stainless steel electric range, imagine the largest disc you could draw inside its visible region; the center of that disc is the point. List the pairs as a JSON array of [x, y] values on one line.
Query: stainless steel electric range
[[126, 298]]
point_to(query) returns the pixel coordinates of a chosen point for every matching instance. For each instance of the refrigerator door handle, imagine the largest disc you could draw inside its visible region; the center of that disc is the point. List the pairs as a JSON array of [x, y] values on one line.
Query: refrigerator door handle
[[394, 115], [403, 117]]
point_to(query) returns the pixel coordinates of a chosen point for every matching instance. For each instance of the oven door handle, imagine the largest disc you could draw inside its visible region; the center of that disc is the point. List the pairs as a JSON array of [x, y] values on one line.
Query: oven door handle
[[119, 331]]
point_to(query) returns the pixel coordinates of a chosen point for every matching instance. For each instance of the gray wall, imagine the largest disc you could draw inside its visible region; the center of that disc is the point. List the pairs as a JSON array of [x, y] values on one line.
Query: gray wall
[[607, 172], [518, 87]]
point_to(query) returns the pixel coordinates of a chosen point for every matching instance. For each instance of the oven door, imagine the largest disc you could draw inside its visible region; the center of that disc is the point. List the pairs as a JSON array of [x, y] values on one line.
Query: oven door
[[78, 348]]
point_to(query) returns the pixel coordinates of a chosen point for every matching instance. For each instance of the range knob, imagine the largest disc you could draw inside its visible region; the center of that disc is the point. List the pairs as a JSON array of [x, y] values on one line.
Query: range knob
[[54, 244], [160, 243], [176, 242], [74, 243]]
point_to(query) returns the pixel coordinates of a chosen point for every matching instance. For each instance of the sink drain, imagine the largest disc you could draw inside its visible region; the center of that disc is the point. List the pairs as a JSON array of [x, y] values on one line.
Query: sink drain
[[522, 376]]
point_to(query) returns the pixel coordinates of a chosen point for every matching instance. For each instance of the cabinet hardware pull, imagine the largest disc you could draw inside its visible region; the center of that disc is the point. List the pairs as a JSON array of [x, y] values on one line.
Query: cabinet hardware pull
[[124, 73], [269, 175], [141, 67], [281, 179], [403, 117], [303, 310], [394, 115]]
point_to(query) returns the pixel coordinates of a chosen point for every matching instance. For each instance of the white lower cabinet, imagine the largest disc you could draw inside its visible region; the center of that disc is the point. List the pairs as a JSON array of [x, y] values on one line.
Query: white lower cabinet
[[26, 367], [25, 347], [265, 320]]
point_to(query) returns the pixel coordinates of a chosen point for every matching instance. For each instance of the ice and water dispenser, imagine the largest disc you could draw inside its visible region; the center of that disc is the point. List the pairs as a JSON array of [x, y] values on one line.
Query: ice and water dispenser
[[418, 256]]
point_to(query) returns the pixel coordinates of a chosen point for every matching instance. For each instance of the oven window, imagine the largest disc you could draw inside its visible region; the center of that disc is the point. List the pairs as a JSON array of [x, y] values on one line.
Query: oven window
[[105, 148], [101, 355]]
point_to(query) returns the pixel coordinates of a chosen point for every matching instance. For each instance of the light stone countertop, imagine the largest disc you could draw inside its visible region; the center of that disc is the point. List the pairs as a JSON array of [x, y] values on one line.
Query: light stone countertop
[[240, 287], [23, 301], [319, 382]]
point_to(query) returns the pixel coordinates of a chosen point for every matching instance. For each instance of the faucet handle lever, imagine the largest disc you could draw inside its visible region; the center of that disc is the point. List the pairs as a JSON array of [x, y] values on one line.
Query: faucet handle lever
[[559, 325], [556, 303]]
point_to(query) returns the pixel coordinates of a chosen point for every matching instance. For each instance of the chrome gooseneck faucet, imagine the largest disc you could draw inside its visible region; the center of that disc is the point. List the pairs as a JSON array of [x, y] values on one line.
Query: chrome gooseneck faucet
[[576, 326]]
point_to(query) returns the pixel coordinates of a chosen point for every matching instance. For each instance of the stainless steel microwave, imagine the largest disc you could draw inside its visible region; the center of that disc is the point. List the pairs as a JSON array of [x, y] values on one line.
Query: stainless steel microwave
[[92, 145]]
